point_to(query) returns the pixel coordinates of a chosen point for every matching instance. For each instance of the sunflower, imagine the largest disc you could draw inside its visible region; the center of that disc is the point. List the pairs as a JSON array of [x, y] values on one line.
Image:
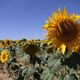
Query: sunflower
[[2, 44], [43, 42], [18, 41], [4, 56], [30, 49], [63, 29], [32, 41], [7, 42]]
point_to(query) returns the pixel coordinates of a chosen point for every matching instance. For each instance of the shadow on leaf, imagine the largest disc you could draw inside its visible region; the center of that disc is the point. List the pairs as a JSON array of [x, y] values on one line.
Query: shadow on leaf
[[72, 61]]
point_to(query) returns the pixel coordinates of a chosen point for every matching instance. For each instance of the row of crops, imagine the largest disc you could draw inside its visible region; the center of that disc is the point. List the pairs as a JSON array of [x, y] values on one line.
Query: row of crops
[[35, 60]]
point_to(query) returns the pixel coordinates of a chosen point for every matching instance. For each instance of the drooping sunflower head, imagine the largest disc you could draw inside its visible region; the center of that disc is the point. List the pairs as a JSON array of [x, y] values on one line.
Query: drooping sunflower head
[[30, 49], [63, 29], [4, 56]]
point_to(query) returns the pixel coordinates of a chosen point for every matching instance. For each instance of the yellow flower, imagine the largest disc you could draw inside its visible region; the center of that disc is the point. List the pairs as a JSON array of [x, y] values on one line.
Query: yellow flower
[[2, 44], [63, 29], [18, 41], [4, 56], [7, 42], [42, 42], [32, 41]]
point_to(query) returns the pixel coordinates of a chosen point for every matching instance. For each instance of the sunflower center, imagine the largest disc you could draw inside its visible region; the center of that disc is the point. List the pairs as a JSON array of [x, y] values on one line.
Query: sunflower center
[[3, 56], [66, 31], [8, 42]]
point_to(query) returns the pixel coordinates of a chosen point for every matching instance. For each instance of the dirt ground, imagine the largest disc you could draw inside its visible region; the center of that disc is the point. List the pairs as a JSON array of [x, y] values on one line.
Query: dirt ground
[[3, 72]]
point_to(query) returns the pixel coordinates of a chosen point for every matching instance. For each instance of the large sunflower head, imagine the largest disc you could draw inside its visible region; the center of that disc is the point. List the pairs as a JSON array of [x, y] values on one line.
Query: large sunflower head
[[4, 56], [63, 29]]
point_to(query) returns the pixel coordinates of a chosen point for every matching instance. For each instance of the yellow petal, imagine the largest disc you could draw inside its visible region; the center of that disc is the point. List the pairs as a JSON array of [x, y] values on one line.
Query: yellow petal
[[51, 19], [55, 15], [77, 17], [51, 29], [59, 28], [45, 26], [60, 13], [63, 48], [65, 13]]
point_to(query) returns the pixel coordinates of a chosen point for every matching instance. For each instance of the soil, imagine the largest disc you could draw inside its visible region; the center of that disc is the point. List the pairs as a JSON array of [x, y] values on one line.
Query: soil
[[3, 72]]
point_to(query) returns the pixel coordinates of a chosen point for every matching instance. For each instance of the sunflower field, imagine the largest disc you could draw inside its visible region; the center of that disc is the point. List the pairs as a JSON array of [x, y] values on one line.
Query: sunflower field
[[54, 58]]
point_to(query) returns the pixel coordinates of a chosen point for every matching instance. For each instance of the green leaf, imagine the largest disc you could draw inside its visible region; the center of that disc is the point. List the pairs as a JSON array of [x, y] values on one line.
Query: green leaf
[[45, 71], [51, 77], [51, 62], [61, 78], [56, 66], [25, 71], [72, 71], [69, 77], [46, 76]]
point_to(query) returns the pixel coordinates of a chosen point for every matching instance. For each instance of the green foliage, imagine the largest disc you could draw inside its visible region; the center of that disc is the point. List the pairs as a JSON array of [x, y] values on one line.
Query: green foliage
[[43, 65]]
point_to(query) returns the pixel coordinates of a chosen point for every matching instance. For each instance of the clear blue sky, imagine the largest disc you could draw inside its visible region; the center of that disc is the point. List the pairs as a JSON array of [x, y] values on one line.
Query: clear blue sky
[[25, 18]]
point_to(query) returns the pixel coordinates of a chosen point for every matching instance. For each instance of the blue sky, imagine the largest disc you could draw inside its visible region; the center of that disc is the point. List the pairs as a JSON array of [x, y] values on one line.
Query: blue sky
[[25, 18]]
